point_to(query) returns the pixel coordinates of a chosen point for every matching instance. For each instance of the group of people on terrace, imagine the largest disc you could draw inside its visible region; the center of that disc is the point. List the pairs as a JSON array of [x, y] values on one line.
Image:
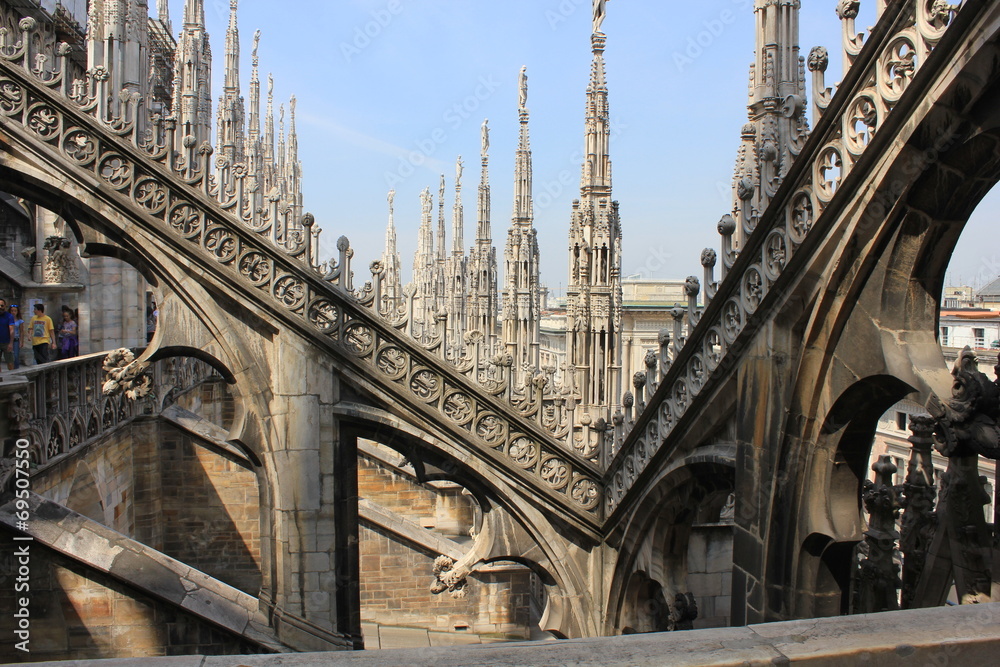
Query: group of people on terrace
[[47, 342]]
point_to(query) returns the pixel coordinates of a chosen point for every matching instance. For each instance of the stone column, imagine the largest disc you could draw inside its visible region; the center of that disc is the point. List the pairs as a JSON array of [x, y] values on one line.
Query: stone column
[[312, 533]]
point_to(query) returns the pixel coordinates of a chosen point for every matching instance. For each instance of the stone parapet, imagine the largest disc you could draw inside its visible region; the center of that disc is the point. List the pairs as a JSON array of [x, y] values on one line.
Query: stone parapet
[[966, 635]]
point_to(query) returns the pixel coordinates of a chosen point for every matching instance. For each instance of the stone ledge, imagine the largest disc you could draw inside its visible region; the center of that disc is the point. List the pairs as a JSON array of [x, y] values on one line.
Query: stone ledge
[[966, 635]]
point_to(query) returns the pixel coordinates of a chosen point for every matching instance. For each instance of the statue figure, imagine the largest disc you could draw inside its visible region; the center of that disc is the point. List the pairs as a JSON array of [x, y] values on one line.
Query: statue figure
[[728, 512], [523, 87], [485, 132], [459, 168], [391, 198], [967, 423], [684, 611], [599, 12]]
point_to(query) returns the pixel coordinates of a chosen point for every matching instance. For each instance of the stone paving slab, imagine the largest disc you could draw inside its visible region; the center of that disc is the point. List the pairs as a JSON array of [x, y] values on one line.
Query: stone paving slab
[[392, 638], [454, 639]]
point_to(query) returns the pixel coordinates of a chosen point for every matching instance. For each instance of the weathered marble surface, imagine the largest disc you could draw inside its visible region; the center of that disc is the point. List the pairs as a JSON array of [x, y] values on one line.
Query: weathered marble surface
[[966, 635]]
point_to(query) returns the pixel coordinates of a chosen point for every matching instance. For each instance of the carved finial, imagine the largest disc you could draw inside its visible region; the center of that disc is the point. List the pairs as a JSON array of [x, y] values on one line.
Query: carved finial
[[819, 59], [639, 380], [848, 9], [727, 225], [692, 286]]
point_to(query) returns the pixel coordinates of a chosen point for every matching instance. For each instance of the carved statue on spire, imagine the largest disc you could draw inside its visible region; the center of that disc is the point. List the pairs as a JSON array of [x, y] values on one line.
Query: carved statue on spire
[[523, 87], [391, 198], [599, 12], [459, 168], [485, 131], [256, 45]]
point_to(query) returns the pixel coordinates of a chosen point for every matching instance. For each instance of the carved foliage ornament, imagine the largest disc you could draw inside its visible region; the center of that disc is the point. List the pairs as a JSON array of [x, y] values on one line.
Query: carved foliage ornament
[[125, 374]]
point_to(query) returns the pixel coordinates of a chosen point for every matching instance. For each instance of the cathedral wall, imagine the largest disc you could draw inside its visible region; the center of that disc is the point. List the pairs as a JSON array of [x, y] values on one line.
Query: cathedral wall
[[158, 485], [98, 482], [395, 590], [210, 400], [113, 312], [208, 510], [440, 506], [78, 613], [710, 573]]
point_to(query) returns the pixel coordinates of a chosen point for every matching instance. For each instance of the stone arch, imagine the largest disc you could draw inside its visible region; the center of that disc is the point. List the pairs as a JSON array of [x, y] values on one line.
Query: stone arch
[[866, 305], [518, 530], [657, 537], [646, 608], [827, 502], [825, 568]]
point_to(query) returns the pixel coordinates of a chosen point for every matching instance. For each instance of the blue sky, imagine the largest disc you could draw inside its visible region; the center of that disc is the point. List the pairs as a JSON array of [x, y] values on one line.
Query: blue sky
[[390, 92]]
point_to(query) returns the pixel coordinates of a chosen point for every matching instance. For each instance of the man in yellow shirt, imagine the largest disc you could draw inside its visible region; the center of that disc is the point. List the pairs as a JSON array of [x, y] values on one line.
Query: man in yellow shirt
[[43, 334]]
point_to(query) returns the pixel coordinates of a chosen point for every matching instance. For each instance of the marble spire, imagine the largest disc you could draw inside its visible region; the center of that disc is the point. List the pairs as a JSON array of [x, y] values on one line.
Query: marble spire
[[423, 263], [230, 122], [483, 257], [118, 40], [193, 78], [777, 126], [521, 310], [253, 124], [163, 14], [594, 294], [456, 280], [392, 283]]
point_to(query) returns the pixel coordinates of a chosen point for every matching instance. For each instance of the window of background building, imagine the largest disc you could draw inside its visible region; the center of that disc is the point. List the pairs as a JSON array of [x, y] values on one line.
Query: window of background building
[[901, 421], [944, 335], [980, 336]]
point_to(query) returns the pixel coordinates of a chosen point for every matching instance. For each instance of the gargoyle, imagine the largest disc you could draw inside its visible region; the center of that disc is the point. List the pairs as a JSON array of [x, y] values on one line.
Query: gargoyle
[[967, 423]]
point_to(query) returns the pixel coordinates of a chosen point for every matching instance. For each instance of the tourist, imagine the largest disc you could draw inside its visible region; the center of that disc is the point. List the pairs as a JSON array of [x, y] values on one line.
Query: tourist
[[15, 313], [6, 335], [152, 314], [69, 341], [43, 334]]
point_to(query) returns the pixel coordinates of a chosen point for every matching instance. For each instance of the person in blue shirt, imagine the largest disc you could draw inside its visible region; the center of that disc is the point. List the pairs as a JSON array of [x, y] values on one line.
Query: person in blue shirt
[[15, 313], [6, 335]]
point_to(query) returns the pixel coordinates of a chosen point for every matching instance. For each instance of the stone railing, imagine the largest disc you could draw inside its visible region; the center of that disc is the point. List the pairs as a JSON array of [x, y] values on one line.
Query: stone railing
[[59, 407], [179, 204], [879, 74]]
